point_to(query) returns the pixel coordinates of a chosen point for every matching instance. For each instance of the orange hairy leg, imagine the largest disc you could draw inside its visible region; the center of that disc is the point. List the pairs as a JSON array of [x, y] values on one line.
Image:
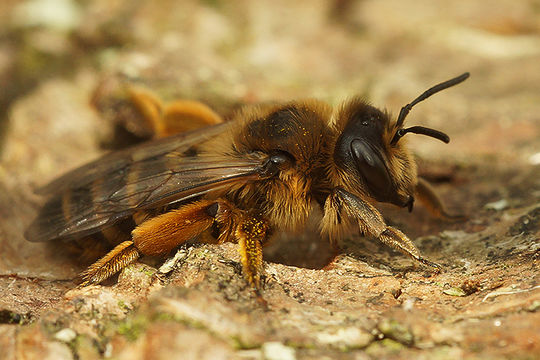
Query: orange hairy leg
[[161, 234], [118, 258], [156, 236], [172, 118]]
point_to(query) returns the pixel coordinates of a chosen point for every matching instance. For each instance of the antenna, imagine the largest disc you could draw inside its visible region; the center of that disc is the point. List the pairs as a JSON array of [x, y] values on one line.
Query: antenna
[[420, 129]]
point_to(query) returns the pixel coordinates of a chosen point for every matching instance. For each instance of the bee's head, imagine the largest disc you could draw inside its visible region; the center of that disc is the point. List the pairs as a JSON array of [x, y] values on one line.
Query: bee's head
[[371, 153]]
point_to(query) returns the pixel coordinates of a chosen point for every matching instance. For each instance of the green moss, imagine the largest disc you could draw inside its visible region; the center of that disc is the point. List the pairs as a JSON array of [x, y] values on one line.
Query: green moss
[[217, 4], [131, 328], [123, 306], [535, 306], [148, 271], [454, 291], [386, 346], [301, 346], [86, 348], [240, 343], [397, 331], [164, 317]]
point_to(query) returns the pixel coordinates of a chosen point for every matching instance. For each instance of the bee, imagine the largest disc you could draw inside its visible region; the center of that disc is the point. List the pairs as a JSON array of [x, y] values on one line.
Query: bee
[[243, 180]]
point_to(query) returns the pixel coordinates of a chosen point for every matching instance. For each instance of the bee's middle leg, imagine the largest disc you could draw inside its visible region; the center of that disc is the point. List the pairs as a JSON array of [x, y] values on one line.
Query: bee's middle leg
[[251, 234]]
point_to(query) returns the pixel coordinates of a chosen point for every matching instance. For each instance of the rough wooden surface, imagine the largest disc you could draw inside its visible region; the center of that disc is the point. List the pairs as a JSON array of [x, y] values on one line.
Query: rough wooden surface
[[371, 303]]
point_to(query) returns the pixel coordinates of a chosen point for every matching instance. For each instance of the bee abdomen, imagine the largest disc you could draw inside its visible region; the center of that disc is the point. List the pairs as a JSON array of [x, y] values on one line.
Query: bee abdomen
[[121, 231], [89, 248]]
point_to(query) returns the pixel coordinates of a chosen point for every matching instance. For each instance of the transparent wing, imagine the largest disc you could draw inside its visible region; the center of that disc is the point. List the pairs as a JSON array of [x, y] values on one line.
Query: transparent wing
[[118, 160], [151, 175]]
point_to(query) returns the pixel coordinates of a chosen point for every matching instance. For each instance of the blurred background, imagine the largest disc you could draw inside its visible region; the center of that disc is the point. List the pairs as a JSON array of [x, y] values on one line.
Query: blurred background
[[62, 61], [55, 53]]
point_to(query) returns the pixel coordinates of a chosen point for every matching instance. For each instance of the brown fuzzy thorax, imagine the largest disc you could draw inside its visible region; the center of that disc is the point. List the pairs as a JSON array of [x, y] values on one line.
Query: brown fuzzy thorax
[[299, 129]]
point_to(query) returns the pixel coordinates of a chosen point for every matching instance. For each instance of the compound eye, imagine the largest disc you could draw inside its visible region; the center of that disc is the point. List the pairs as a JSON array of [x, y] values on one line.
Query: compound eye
[[372, 168]]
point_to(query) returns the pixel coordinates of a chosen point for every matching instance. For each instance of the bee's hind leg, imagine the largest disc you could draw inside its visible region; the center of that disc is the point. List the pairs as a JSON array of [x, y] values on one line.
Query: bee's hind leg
[[161, 234], [174, 117], [118, 258], [155, 236]]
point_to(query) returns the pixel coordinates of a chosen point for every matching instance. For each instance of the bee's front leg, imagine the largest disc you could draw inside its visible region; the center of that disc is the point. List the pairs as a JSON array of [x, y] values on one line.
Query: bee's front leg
[[341, 206]]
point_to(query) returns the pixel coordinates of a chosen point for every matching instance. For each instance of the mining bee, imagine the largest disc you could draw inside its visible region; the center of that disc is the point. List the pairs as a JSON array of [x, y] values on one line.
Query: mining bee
[[241, 181]]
